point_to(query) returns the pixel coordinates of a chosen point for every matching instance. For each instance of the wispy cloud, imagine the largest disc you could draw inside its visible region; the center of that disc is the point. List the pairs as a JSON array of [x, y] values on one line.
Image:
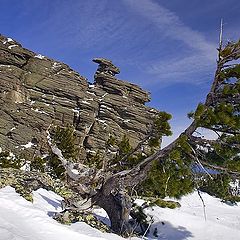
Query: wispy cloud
[[88, 24], [137, 34], [201, 55], [171, 26], [194, 69]]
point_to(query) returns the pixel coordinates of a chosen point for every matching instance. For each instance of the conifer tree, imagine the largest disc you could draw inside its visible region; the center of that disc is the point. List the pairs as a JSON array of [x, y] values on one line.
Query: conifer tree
[[219, 113]]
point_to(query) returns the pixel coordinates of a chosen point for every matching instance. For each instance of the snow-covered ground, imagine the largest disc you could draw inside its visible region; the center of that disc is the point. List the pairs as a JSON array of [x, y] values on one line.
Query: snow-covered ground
[[22, 220]]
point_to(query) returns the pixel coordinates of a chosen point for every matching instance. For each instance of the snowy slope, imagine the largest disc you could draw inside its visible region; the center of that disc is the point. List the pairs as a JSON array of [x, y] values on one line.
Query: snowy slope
[[188, 222], [22, 220]]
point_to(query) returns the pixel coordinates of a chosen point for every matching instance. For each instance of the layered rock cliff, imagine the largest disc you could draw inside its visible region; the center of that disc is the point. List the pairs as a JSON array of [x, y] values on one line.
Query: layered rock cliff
[[37, 92]]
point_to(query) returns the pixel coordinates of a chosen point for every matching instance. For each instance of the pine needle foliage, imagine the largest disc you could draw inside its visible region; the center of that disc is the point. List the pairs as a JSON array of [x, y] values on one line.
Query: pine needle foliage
[[9, 161], [65, 140]]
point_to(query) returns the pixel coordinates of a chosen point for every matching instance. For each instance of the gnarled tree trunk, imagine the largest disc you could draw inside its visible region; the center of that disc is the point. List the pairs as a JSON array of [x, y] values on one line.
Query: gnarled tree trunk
[[118, 208]]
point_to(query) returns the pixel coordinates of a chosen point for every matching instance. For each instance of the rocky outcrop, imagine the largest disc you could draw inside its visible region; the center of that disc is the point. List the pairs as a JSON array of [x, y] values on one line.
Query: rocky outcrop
[[37, 92]]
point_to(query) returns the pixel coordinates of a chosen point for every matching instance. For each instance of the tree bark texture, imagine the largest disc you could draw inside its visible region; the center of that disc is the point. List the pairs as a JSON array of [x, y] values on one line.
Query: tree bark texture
[[118, 208]]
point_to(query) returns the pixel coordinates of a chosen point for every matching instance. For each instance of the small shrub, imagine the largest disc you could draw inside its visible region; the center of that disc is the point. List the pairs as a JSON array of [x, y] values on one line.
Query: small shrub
[[38, 164], [8, 160]]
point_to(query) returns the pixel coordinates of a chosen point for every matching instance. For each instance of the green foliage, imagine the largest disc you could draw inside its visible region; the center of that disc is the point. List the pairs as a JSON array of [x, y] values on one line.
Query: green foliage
[[140, 217], [55, 167], [154, 142], [124, 147], [183, 145], [111, 141], [229, 50], [153, 201], [224, 114], [199, 111], [38, 164], [170, 177], [161, 127], [233, 164], [95, 160], [161, 124], [222, 111], [222, 117], [218, 186], [225, 152], [8, 160], [65, 140], [232, 199], [166, 204]]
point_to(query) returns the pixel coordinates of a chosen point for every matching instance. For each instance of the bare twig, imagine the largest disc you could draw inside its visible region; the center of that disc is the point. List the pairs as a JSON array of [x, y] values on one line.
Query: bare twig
[[220, 35], [204, 206]]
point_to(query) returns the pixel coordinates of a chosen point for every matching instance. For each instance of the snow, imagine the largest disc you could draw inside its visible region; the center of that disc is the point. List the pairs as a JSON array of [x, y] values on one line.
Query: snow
[[39, 111], [91, 93], [187, 222], [75, 171], [106, 107], [45, 155], [23, 220], [104, 95], [91, 151], [206, 133], [55, 65], [39, 56], [28, 145], [86, 102], [8, 40], [101, 121], [11, 156], [12, 46], [2, 65], [26, 166], [77, 111]]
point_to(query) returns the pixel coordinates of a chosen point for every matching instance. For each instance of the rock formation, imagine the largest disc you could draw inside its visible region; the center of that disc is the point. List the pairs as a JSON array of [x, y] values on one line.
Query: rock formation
[[37, 92]]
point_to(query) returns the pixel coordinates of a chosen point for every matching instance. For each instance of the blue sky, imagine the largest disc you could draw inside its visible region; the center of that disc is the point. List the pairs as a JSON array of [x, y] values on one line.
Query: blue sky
[[167, 47]]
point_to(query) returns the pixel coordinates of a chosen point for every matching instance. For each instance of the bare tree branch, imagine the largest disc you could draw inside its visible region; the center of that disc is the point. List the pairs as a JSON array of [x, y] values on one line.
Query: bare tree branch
[[219, 168]]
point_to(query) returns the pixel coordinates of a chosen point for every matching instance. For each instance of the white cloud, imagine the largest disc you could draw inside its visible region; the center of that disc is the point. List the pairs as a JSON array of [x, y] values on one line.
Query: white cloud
[[190, 69], [87, 24], [180, 68], [171, 26], [134, 34]]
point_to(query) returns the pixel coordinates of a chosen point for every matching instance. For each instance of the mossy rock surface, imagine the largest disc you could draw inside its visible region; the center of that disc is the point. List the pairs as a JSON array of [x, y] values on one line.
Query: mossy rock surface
[[25, 182], [152, 201], [73, 216]]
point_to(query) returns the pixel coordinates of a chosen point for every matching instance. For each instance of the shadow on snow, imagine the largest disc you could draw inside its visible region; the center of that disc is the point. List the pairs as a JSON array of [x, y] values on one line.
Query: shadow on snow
[[165, 230]]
